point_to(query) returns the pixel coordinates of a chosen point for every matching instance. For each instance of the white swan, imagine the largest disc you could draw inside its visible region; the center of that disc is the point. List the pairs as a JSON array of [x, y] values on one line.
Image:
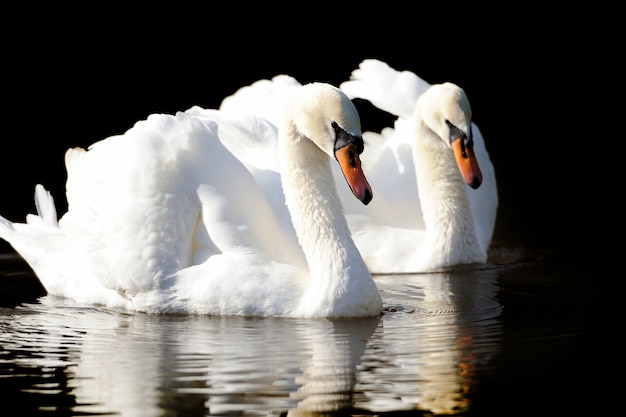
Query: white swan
[[164, 219], [436, 195]]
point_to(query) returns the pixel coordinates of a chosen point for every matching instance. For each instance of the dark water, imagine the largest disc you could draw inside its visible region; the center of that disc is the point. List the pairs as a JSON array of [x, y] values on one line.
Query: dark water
[[519, 338]]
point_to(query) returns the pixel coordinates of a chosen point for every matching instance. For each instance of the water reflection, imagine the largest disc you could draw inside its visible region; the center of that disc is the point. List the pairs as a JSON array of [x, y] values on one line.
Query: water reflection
[[421, 355], [443, 327]]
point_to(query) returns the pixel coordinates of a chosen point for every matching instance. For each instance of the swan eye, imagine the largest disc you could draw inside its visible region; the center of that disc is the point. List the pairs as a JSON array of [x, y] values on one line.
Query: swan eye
[[456, 133], [343, 138]]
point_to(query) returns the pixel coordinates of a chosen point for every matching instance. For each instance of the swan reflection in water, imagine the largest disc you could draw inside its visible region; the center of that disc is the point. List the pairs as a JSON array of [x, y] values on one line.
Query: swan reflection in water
[[421, 354], [439, 329]]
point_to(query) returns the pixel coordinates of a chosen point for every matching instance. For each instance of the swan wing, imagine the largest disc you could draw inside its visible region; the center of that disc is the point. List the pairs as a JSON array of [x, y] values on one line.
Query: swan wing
[[163, 197], [252, 140], [264, 98], [393, 91], [248, 129]]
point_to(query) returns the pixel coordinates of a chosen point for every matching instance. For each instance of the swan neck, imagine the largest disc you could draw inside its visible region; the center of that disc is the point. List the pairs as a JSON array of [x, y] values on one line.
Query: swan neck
[[335, 264], [315, 207], [447, 213]]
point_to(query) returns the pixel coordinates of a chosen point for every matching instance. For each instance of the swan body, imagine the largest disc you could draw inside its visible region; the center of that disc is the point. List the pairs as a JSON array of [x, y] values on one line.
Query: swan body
[[435, 184], [166, 219]]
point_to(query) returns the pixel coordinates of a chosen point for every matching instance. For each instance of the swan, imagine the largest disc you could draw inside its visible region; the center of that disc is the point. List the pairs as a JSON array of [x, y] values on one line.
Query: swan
[[436, 196], [165, 219]]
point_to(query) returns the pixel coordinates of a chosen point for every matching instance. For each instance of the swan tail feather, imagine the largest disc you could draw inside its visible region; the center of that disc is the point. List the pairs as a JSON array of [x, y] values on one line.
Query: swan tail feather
[[44, 202], [6, 227]]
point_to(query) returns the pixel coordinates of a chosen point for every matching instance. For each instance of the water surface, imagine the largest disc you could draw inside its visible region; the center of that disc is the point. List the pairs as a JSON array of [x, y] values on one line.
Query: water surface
[[503, 340]]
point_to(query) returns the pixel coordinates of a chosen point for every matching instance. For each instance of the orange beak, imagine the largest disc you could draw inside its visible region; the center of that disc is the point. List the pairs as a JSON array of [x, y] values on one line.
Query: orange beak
[[467, 162], [350, 164]]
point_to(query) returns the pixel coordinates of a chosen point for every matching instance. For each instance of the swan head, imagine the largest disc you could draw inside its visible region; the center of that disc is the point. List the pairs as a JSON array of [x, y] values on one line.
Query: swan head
[[326, 116], [446, 110]]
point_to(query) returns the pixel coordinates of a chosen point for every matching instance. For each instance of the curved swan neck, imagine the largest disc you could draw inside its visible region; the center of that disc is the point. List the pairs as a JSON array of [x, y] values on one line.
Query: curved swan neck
[[450, 229], [315, 207], [340, 282]]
